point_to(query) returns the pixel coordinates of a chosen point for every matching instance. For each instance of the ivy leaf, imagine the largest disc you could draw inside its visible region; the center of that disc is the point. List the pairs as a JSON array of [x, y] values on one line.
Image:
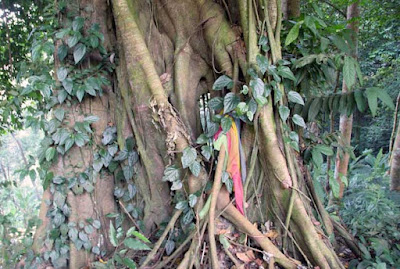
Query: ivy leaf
[[202, 139], [68, 85], [230, 102], [62, 73], [73, 39], [298, 120], [50, 153], [226, 124], [314, 109], [295, 97], [94, 41], [195, 168], [206, 151], [96, 224], [80, 93], [188, 217], [83, 236], [128, 172], [171, 174], [223, 82], [59, 114], [216, 103], [78, 23], [62, 52], [192, 200], [113, 235], [293, 34], [349, 72], [80, 139], [62, 95], [284, 112], [258, 87], [79, 52], [262, 63], [188, 157], [135, 244], [69, 143]]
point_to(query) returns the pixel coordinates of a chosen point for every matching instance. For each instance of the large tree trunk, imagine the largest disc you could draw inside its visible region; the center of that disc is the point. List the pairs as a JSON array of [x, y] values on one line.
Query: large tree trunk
[[168, 55], [346, 121]]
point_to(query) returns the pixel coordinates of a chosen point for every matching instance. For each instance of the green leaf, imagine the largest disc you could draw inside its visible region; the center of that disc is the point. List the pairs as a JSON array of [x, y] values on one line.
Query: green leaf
[[192, 200], [258, 87], [171, 173], [241, 108], [226, 124], [206, 151], [324, 149], [80, 139], [94, 41], [195, 168], [335, 186], [360, 101], [80, 93], [216, 103], [293, 34], [314, 108], [62, 52], [69, 143], [91, 119], [138, 235], [169, 247], [74, 39], [317, 157], [298, 120], [202, 139], [230, 102], [59, 114], [262, 63], [62, 73], [135, 244], [385, 98], [188, 157], [79, 52], [78, 23], [284, 112], [223, 82], [295, 97], [285, 72], [113, 235], [68, 85], [372, 96], [62, 95], [245, 90], [349, 72], [50, 153], [340, 43], [128, 262]]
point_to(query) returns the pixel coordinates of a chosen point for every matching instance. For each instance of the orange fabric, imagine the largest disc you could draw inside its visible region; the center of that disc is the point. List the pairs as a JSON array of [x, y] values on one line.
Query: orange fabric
[[233, 163]]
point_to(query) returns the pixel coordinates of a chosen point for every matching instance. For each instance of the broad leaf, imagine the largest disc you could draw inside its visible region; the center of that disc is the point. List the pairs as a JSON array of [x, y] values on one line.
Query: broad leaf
[[230, 102], [298, 120], [295, 97], [135, 244], [284, 112], [293, 34], [188, 157], [79, 52], [223, 82]]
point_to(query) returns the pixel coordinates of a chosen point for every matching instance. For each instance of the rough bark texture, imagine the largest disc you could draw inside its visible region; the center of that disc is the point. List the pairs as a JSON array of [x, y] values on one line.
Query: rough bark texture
[[346, 121]]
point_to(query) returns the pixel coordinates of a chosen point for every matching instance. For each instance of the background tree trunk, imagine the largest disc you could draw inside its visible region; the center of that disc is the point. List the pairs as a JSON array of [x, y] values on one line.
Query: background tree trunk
[[395, 163], [346, 121]]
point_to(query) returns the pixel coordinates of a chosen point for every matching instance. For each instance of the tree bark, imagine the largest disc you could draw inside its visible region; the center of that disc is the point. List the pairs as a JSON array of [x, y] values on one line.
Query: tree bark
[[395, 163], [346, 121]]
